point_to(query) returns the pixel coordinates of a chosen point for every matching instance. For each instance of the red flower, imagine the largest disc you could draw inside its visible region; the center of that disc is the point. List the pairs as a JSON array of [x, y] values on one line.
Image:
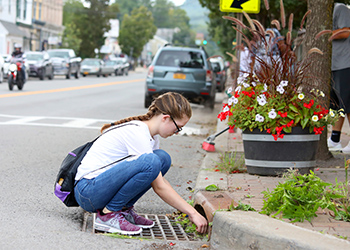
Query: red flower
[[309, 105], [318, 131], [282, 114]]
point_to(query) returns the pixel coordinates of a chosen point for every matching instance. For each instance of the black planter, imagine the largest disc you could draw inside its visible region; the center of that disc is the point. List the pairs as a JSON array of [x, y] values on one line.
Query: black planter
[[265, 156]]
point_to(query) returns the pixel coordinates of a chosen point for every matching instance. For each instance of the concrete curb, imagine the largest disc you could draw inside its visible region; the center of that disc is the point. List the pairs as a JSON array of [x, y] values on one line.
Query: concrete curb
[[250, 230]]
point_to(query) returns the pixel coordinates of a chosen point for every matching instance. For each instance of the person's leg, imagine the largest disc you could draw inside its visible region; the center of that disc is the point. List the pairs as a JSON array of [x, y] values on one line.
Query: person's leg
[[165, 165], [118, 185]]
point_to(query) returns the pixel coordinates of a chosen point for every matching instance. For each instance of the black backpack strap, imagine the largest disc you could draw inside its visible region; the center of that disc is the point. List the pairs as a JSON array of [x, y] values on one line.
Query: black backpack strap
[[122, 125]]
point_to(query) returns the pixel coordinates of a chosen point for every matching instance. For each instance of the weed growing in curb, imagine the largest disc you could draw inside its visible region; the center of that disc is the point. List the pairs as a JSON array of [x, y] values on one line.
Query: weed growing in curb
[[230, 163]]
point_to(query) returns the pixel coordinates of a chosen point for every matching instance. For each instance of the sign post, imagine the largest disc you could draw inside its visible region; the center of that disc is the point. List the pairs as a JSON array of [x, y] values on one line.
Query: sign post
[[238, 6]]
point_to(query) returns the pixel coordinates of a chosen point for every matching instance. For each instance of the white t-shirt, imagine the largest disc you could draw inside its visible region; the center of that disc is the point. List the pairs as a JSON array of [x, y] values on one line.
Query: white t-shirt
[[130, 138]]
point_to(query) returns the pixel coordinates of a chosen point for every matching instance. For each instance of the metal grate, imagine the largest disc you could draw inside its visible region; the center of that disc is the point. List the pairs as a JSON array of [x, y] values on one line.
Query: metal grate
[[164, 228]]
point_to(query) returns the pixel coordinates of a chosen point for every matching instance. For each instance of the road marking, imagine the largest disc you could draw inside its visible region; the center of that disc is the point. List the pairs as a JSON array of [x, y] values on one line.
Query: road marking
[[68, 89], [73, 122]]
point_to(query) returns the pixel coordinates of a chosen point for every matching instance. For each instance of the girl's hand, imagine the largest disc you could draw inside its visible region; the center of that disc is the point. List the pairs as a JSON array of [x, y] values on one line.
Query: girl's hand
[[200, 222]]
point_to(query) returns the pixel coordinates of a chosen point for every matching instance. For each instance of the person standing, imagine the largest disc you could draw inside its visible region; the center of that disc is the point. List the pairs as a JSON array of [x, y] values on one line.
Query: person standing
[[111, 192], [340, 92]]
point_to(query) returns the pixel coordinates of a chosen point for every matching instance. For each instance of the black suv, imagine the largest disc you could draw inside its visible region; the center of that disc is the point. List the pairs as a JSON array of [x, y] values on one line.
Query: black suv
[[65, 62], [184, 70]]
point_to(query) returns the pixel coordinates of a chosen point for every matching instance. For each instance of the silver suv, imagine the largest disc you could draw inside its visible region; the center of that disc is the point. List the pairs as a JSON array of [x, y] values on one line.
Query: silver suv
[[184, 70], [65, 62]]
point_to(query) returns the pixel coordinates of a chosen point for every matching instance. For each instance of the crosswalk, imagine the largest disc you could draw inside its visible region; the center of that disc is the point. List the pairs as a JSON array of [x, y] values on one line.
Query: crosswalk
[[73, 122]]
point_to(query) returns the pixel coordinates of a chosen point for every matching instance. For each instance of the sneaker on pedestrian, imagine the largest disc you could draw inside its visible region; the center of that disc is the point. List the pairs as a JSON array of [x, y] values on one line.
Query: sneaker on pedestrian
[[115, 223], [334, 146], [131, 216], [346, 150]]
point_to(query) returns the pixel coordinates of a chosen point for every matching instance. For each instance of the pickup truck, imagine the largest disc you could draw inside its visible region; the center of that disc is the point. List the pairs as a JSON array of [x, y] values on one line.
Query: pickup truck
[[65, 62]]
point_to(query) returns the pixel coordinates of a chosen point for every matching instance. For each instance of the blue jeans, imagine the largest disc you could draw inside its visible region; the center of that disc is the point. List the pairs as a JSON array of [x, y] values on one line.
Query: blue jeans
[[123, 184]]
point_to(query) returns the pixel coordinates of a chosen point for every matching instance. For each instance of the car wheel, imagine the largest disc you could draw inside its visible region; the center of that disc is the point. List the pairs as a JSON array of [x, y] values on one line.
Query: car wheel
[[1, 75], [148, 101], [116, 72], [51, 76], [83, 75], [42, 74], [68, 74], [210, 103]]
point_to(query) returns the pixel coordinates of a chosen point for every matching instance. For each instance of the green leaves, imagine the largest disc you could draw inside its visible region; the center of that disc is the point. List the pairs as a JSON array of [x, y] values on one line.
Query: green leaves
[[212, 187], [298, 198]]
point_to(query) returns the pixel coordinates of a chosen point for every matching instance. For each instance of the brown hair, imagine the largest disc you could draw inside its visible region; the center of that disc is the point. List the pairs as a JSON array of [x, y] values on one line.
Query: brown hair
[[170, 103]]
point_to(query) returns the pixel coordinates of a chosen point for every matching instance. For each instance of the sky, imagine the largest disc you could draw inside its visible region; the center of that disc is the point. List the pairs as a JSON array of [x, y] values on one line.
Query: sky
[[178, 2]]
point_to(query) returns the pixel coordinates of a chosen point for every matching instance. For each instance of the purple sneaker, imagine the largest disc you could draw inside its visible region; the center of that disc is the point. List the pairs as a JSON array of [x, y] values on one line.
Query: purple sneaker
[[131, 216], [115, 223]]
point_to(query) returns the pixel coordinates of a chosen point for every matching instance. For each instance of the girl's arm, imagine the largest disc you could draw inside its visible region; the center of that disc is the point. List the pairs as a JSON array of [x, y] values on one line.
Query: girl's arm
[[165, 191]]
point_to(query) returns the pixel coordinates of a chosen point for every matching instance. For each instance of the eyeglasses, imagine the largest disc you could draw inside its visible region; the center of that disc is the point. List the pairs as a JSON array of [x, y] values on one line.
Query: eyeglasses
[[178, 129]]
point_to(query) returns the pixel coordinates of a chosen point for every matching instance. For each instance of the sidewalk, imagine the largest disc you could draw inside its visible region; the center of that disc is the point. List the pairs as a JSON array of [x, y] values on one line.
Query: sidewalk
[[245, 230]]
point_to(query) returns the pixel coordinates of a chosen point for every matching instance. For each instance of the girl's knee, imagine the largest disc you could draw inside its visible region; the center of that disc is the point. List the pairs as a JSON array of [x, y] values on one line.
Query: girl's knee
[[164, 158]]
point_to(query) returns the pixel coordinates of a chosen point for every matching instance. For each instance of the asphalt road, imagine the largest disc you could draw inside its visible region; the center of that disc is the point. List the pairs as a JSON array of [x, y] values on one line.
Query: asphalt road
[[40, 124]]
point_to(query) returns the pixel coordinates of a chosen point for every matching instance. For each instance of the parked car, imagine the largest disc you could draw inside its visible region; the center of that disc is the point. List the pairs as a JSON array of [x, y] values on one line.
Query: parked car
[[2, 62], [117, 67], [93, 66], [184, 70], [40, 65], [65, 62], [123, 65], [220, 72]]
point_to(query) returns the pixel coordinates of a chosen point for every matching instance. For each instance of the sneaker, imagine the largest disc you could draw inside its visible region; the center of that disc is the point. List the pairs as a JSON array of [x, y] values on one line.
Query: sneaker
[[131, 216], [333, 146], [346, 150], [115, 223]]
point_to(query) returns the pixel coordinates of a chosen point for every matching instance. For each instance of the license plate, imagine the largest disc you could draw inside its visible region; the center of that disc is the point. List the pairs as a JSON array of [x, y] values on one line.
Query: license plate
[[179, 76], [86, 73]]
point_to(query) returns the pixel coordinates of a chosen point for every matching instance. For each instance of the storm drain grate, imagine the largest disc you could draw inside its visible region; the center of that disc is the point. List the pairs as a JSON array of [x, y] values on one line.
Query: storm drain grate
[[164, 229]]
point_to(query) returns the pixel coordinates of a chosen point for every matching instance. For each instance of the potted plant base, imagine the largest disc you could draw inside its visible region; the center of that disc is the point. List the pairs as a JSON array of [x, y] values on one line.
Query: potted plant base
[[265, 156]]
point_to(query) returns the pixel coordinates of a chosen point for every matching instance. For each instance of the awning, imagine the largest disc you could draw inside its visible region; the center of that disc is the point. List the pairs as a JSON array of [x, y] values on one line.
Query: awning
[[13, 29]]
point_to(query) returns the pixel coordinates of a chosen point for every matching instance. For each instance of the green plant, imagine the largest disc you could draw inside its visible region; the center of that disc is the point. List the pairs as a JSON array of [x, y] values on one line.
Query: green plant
[[212, 187], [243, 207], [230, 163], [342, 204], [277, 91], [299, 197]]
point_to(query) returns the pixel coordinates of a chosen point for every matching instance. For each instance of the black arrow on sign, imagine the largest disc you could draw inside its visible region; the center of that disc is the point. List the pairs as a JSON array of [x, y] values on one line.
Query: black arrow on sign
[[237, 3]]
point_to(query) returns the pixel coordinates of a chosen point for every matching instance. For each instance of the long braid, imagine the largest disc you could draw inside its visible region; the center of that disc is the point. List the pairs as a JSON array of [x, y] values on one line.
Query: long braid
[[170, 103]]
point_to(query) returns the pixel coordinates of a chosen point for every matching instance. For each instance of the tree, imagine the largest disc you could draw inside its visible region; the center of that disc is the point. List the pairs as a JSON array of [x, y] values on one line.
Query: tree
[[73, 13], [320, 19], [136, 30]]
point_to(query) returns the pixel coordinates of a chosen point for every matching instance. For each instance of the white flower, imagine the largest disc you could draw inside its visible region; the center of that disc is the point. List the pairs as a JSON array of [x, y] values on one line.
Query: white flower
[[284, 83], [235, 100], [238, 89], [246, 85], [261, 100], [240, 80], [314, 118], [245, 75], [322, 94], [342, 114], [254, 84], [229, 90], [259, 118], [331, 113], [265, 87], [280, 89], [301, 96], [226, 109], [272, 114]]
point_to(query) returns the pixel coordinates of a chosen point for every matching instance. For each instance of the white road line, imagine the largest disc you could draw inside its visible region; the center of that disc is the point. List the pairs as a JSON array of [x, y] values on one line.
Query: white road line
[[73, 122]]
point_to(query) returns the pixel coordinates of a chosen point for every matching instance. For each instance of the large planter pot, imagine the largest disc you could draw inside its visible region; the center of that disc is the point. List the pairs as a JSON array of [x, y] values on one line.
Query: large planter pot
[[265, 156]]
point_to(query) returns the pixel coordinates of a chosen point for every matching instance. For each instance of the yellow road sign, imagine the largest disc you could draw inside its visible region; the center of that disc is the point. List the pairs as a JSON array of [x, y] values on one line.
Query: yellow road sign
[[248, 6]]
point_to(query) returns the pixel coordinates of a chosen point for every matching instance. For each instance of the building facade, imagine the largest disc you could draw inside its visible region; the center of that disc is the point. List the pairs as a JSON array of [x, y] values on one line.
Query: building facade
[[36, 24]]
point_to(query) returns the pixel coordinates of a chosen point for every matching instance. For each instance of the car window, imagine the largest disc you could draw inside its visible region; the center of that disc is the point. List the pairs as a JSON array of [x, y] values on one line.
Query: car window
[[61, 54], [34, 57], [110, 63], [215, 64], [90, 63], [185, 59]]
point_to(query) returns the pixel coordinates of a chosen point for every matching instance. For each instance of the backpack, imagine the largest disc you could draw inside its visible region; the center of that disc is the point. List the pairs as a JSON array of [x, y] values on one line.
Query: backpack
[[65, 180]]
